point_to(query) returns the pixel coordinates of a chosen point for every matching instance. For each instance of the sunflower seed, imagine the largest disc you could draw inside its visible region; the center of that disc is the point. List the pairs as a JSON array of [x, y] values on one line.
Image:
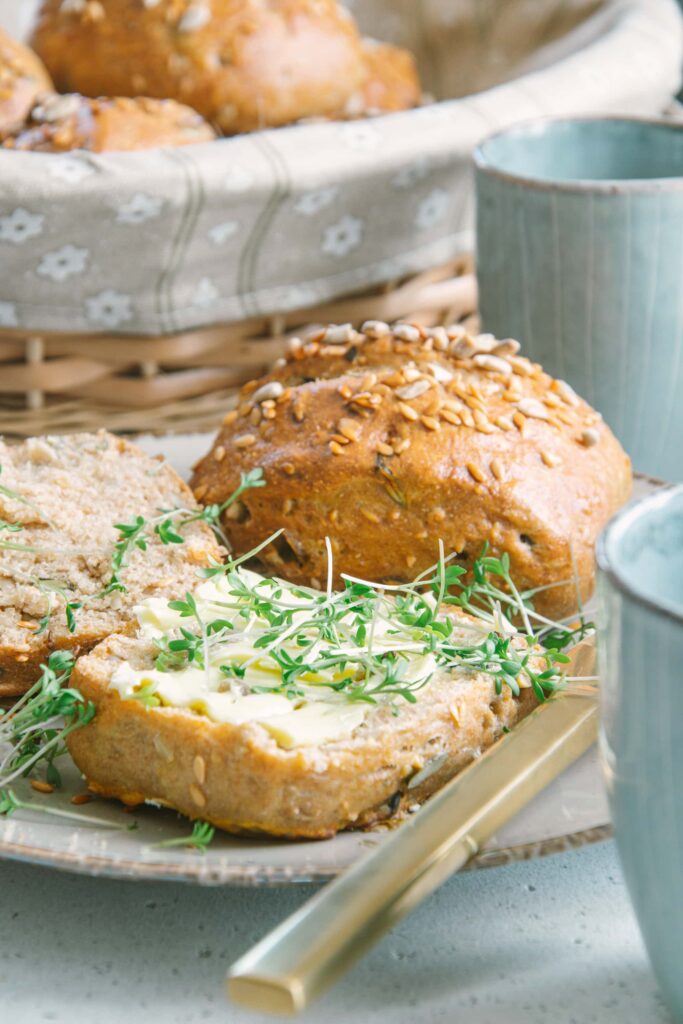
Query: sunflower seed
[[413, 390], [508, 347], [486, 342], [273, 389], [567, 392], [375, 328], [464, 347], [339, 334], [495, 363], [532, 408], [440, 338], [440, 373], [406, 332]]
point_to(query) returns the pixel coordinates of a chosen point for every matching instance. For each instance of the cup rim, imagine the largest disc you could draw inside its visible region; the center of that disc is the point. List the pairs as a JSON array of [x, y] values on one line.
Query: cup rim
[[612, 186], [620, 522]]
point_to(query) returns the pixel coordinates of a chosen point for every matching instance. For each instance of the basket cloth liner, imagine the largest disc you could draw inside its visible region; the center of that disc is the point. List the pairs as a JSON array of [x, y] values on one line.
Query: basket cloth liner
[[167, 240]]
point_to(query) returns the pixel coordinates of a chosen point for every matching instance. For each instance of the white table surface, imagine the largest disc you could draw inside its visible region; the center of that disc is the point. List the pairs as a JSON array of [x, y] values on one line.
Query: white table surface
[[552, 940]]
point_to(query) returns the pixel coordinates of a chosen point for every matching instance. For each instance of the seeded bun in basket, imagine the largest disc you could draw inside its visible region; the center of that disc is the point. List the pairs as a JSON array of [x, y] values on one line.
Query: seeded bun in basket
[[61, 501], [59, 123], [390, 440], [22, 79], [242, 65]]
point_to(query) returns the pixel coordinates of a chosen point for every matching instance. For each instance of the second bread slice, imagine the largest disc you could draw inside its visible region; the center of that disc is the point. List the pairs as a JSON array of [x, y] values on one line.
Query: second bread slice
[[62, 500]]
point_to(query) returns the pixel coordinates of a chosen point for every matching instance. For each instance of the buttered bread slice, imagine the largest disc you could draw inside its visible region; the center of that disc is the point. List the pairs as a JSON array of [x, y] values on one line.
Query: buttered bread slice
[[263, 706], [89, 526]]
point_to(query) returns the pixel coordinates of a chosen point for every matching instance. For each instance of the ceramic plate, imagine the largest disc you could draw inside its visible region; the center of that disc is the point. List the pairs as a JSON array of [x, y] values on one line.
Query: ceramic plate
[[571, 812]]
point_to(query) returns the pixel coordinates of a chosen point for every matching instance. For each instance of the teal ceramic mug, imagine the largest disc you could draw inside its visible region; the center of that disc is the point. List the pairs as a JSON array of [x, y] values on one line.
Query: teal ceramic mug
[[640, 581], [580, 257]]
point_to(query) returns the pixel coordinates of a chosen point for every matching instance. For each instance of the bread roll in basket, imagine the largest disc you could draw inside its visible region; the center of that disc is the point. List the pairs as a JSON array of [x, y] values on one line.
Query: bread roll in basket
[[242, 65], [172, 240], [22, 79]]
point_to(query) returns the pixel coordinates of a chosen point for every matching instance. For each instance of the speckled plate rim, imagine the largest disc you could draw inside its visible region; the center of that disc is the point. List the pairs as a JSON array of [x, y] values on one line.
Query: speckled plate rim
[[248, 876]]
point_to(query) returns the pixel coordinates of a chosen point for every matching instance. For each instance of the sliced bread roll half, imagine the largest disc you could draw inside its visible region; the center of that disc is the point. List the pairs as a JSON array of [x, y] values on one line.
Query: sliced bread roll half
[[78, 547], [267, 708], [239, 778]]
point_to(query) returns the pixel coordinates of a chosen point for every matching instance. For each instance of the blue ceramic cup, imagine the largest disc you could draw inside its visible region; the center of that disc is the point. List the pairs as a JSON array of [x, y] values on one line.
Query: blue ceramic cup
[[580, 257], [640, 587]]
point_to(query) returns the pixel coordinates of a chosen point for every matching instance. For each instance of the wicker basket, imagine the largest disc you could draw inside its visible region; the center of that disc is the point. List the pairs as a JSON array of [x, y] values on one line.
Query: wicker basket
[[52, 383], [153, 242]]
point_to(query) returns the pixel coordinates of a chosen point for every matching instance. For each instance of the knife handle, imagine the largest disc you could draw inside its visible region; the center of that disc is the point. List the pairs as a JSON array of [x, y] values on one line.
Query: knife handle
[[305, 954]]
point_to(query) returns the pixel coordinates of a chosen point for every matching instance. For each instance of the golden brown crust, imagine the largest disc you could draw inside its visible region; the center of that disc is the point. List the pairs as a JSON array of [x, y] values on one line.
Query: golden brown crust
[[22, 79], [388, 444], [237, 778], [242, 65], [392, 82], [19, 670], [60, 123]]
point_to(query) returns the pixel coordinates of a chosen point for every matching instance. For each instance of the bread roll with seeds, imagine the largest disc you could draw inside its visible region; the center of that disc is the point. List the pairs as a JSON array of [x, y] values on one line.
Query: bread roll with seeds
[[241, 63], [237, 776], [23, 78], [60, 123], [390, 440], [60, 499]]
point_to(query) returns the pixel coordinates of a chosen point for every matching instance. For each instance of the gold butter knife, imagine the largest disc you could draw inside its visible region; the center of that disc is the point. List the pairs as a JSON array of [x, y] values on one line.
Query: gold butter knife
[[305, 954]]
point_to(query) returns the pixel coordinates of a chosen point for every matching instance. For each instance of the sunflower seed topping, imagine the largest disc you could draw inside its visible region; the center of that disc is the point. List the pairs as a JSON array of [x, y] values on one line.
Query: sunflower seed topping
[[508, 347], [440, 373], [494, 363], [440, 338], [464, 347], [567, 392], [486, 342], [375, 329], [339, 334], [589, 437], [273, 389], [413, 390], [534, 409], [406, 332]]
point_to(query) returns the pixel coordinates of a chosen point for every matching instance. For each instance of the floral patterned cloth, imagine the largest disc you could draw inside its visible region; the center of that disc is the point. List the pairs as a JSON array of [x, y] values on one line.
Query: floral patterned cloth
[[159, 241]]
